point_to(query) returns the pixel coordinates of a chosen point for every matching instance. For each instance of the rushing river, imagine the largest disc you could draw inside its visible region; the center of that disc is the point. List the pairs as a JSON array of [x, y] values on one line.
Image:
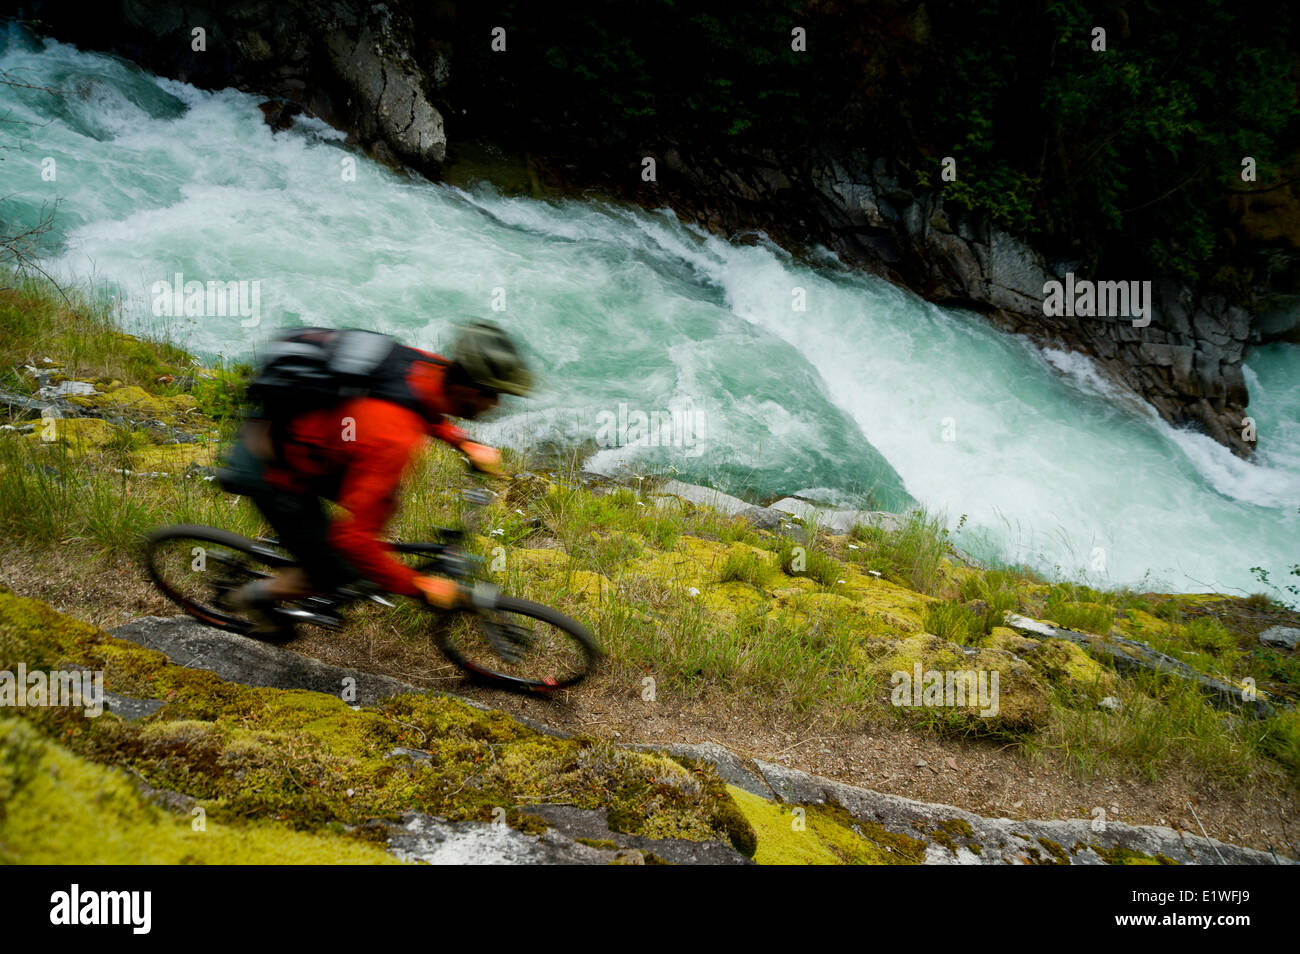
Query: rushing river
[[865, 395]]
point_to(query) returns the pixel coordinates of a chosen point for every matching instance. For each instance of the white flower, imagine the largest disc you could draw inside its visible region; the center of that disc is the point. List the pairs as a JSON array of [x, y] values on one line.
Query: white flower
[[693, 591], [498, 532], [853, 546]]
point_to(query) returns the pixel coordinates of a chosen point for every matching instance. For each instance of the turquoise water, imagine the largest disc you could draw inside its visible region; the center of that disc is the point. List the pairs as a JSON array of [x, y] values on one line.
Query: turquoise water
[[867, 395]]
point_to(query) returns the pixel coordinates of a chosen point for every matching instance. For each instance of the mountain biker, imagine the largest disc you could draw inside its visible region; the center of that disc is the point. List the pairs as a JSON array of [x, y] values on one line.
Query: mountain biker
[[355, 453]]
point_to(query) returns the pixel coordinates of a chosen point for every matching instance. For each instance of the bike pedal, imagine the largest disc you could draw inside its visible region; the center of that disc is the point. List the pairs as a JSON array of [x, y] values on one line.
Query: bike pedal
[[294, 614]]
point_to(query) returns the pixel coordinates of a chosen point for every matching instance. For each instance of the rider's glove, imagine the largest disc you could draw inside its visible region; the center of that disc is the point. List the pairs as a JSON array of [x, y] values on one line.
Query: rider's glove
[[440, 592], [482, 458]]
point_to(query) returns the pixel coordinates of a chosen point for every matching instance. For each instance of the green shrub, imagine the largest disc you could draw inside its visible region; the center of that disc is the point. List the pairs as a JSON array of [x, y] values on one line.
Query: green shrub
[[953, 622], [1083, 617], [996, 589], [1278, 736], [745, 568], [795, 559], [1208, 634], [1169, 611]]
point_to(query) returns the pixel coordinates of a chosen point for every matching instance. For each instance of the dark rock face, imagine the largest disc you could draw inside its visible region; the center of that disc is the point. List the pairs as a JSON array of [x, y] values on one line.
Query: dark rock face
[[376, 72], [347, 62], [373, 61]]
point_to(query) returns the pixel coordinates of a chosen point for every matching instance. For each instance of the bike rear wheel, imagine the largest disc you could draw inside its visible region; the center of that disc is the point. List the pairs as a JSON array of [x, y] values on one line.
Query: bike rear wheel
[[197, 566], [519, 644]]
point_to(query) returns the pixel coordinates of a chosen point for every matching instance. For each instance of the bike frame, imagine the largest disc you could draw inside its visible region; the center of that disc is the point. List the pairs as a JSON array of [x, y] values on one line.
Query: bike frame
[[446, 559]]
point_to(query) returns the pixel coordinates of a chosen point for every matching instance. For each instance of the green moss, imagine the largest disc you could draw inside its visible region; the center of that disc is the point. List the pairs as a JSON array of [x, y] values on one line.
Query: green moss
[[597, 842], [1022, 697], [958, 826], [1056, 851], [1125, 856], [134, 402], [940, 837], [58, 808], [746, 566], [1066, 665], [822, 834], [622, 820], [946, 833], [525, 822], [727, 816]]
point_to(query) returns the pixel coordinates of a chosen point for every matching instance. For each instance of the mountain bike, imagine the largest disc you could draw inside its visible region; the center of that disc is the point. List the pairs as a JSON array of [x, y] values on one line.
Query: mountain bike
[[495, 638]]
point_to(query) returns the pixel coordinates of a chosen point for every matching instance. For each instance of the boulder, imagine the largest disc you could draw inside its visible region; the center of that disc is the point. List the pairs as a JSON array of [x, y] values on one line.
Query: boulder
[[1286, 637]]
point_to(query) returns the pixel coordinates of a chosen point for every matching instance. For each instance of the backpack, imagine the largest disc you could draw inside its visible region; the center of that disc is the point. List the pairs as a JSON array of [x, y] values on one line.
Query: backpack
[[316, 368]]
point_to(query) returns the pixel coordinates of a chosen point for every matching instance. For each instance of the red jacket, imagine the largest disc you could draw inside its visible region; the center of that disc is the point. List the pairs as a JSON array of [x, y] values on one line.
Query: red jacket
[[365, 458]]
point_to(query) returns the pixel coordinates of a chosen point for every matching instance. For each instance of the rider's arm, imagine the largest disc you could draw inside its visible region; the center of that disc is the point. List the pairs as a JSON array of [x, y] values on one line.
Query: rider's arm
[[449, 433], [481, 457]]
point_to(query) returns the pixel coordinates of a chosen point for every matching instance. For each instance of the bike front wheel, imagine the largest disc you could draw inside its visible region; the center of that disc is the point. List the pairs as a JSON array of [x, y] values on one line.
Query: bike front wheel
[[519, 644]]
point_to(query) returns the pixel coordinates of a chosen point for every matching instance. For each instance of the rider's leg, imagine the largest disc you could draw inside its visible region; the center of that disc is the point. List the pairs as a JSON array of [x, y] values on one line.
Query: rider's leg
[[301, 526], [290, 516], [290, 584]]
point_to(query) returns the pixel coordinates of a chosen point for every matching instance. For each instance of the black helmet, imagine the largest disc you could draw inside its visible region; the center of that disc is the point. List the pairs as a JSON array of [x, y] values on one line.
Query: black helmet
[[489, 359]]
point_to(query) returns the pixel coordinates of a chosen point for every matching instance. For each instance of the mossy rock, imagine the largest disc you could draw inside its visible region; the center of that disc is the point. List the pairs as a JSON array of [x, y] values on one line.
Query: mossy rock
[[173, 458], [886, 600], [1139, 624], [821, 835], [134, 402], [313, 762], [727, 602], [1118, 855], [1063, 663], [1004, 637], [79, 434], [1022, 701], [60, 808]]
